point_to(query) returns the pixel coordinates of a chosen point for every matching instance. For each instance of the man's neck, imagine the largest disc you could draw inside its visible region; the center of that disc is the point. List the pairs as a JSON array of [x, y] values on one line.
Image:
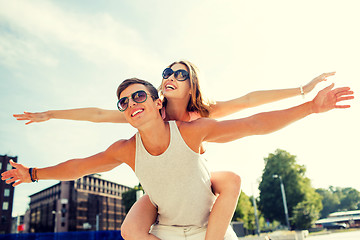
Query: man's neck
[[155, 136]]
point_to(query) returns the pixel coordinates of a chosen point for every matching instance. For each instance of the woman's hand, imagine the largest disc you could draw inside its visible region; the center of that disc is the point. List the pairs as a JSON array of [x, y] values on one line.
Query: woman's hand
[[32, 117], [312, 84]]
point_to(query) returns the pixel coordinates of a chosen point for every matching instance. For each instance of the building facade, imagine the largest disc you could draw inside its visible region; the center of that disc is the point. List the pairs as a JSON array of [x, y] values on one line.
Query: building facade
[[89, 203], [6, 196]]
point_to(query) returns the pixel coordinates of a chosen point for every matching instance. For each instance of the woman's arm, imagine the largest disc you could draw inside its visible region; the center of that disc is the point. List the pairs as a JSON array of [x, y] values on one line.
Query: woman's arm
[[267, 122], [80, 114], [253, 99]]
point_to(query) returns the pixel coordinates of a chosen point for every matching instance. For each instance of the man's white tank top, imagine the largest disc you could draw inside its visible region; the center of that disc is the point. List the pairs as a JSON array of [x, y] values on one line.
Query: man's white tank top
[[177, 182]]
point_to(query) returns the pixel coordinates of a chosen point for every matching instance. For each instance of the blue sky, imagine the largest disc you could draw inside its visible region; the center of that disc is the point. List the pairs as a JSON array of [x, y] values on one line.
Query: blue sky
[[66, 54]]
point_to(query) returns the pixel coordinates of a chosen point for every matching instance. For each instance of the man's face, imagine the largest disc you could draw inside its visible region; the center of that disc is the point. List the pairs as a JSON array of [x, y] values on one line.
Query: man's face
[[139, 112]]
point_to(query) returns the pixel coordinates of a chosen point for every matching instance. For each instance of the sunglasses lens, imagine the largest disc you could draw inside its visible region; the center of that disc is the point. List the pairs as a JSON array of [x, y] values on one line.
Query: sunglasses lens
[[181, 75], [167, 73], [123, 103], [139, 96]]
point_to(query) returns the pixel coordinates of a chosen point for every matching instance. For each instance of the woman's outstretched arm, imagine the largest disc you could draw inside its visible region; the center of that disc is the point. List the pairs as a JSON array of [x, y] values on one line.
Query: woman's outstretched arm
[[268, 122], [80, 114], [253, 99]]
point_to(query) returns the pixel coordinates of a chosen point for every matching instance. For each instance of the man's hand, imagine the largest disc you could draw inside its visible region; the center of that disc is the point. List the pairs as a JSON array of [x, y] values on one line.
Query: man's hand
[[328, 99], [18, 175], [32, 117]]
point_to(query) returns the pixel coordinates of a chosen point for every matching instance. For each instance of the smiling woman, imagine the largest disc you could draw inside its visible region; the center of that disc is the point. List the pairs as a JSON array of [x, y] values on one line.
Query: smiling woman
[[188, 93]]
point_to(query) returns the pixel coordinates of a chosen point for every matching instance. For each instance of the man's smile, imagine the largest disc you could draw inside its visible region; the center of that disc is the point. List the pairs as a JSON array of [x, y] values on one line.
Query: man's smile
[[136, 112]]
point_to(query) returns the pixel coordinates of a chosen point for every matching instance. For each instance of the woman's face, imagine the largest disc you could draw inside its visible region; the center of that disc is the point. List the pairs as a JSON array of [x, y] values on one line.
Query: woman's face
[[172, 88]]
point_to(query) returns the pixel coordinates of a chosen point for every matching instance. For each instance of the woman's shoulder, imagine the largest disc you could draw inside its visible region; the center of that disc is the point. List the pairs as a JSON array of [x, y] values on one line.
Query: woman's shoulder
[[194, 116]]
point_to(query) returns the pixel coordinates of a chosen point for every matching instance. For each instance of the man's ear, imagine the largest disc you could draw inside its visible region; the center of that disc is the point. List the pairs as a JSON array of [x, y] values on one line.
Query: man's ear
[[159, 103]]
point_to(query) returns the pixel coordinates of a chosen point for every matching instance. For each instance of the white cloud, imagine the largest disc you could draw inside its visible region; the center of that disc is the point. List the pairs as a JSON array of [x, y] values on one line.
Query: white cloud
[[98, 38], [14, 51]]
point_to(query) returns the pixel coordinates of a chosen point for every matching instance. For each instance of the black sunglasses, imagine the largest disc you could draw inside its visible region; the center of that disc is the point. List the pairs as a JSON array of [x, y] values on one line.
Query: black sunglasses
[[138, 97], [180, 75]]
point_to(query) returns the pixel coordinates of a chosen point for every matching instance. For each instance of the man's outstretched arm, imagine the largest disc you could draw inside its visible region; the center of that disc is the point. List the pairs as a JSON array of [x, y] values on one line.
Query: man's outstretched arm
[[68, 170]]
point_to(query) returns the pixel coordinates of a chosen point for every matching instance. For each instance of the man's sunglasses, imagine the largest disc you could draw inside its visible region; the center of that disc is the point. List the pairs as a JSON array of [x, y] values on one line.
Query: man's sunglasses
[[138, 97], [180, 75]]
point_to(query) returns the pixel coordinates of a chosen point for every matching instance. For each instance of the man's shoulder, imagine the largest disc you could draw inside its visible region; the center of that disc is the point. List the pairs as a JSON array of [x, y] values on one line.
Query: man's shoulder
[[123, 151], [123, 144]]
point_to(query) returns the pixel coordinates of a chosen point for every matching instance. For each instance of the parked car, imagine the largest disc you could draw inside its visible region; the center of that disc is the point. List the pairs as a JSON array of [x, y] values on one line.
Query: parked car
[[334, 225]]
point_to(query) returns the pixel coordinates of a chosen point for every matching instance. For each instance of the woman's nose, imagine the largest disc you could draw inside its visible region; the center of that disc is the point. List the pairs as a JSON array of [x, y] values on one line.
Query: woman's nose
[[172, 77]]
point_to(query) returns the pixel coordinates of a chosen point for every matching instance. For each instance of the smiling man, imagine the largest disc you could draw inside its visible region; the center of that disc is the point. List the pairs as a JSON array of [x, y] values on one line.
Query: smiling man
[[166, 155]]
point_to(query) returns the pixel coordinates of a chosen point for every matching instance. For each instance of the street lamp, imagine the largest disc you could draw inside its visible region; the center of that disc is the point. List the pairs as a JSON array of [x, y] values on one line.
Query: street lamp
[[255, 212], [284, 199], [56, 216]]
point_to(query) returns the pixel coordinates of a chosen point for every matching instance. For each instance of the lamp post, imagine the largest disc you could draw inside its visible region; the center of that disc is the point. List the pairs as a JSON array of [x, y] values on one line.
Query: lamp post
[[55, 213], [255, 212], [284, 199]]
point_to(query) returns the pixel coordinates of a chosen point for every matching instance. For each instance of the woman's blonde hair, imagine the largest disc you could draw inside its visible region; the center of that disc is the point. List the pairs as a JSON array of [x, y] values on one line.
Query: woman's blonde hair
[[197, 102]]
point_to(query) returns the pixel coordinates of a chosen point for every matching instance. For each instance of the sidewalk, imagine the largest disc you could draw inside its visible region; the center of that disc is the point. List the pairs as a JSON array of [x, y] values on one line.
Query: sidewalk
[[280, 235]]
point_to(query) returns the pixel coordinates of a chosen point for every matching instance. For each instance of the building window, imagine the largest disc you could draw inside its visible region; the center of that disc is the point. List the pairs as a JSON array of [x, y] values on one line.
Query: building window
[[6, 192], [3, 219], [5, 206]]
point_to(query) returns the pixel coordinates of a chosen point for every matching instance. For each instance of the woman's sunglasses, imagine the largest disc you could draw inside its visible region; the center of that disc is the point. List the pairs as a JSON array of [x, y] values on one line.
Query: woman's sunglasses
[[180, 75], [138, 97]]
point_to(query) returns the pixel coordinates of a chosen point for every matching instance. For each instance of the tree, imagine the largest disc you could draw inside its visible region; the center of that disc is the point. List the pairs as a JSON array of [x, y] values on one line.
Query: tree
[[129, 197], [350, 199], [305, 213], [297, 188], [271, 204], [244, 212], [329, 201], [338, 199]]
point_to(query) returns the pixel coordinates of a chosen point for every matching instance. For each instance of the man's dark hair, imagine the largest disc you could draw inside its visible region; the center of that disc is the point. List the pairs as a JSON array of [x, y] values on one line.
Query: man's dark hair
[[128, 82]]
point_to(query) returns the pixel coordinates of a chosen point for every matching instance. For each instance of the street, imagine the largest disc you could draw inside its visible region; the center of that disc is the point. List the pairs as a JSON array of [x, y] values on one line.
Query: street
[[352, 235]]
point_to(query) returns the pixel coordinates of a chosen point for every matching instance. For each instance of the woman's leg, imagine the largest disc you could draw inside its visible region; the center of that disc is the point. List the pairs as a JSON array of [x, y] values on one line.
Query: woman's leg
[[227, 185], [139, 219]]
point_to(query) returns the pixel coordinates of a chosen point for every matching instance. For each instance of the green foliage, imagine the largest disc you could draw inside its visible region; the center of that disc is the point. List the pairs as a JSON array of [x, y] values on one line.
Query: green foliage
[[305, 213], [271, 204], [338, 199], [298, 190], [129, 197], [350, 199], [329, 201], [244, 212]]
